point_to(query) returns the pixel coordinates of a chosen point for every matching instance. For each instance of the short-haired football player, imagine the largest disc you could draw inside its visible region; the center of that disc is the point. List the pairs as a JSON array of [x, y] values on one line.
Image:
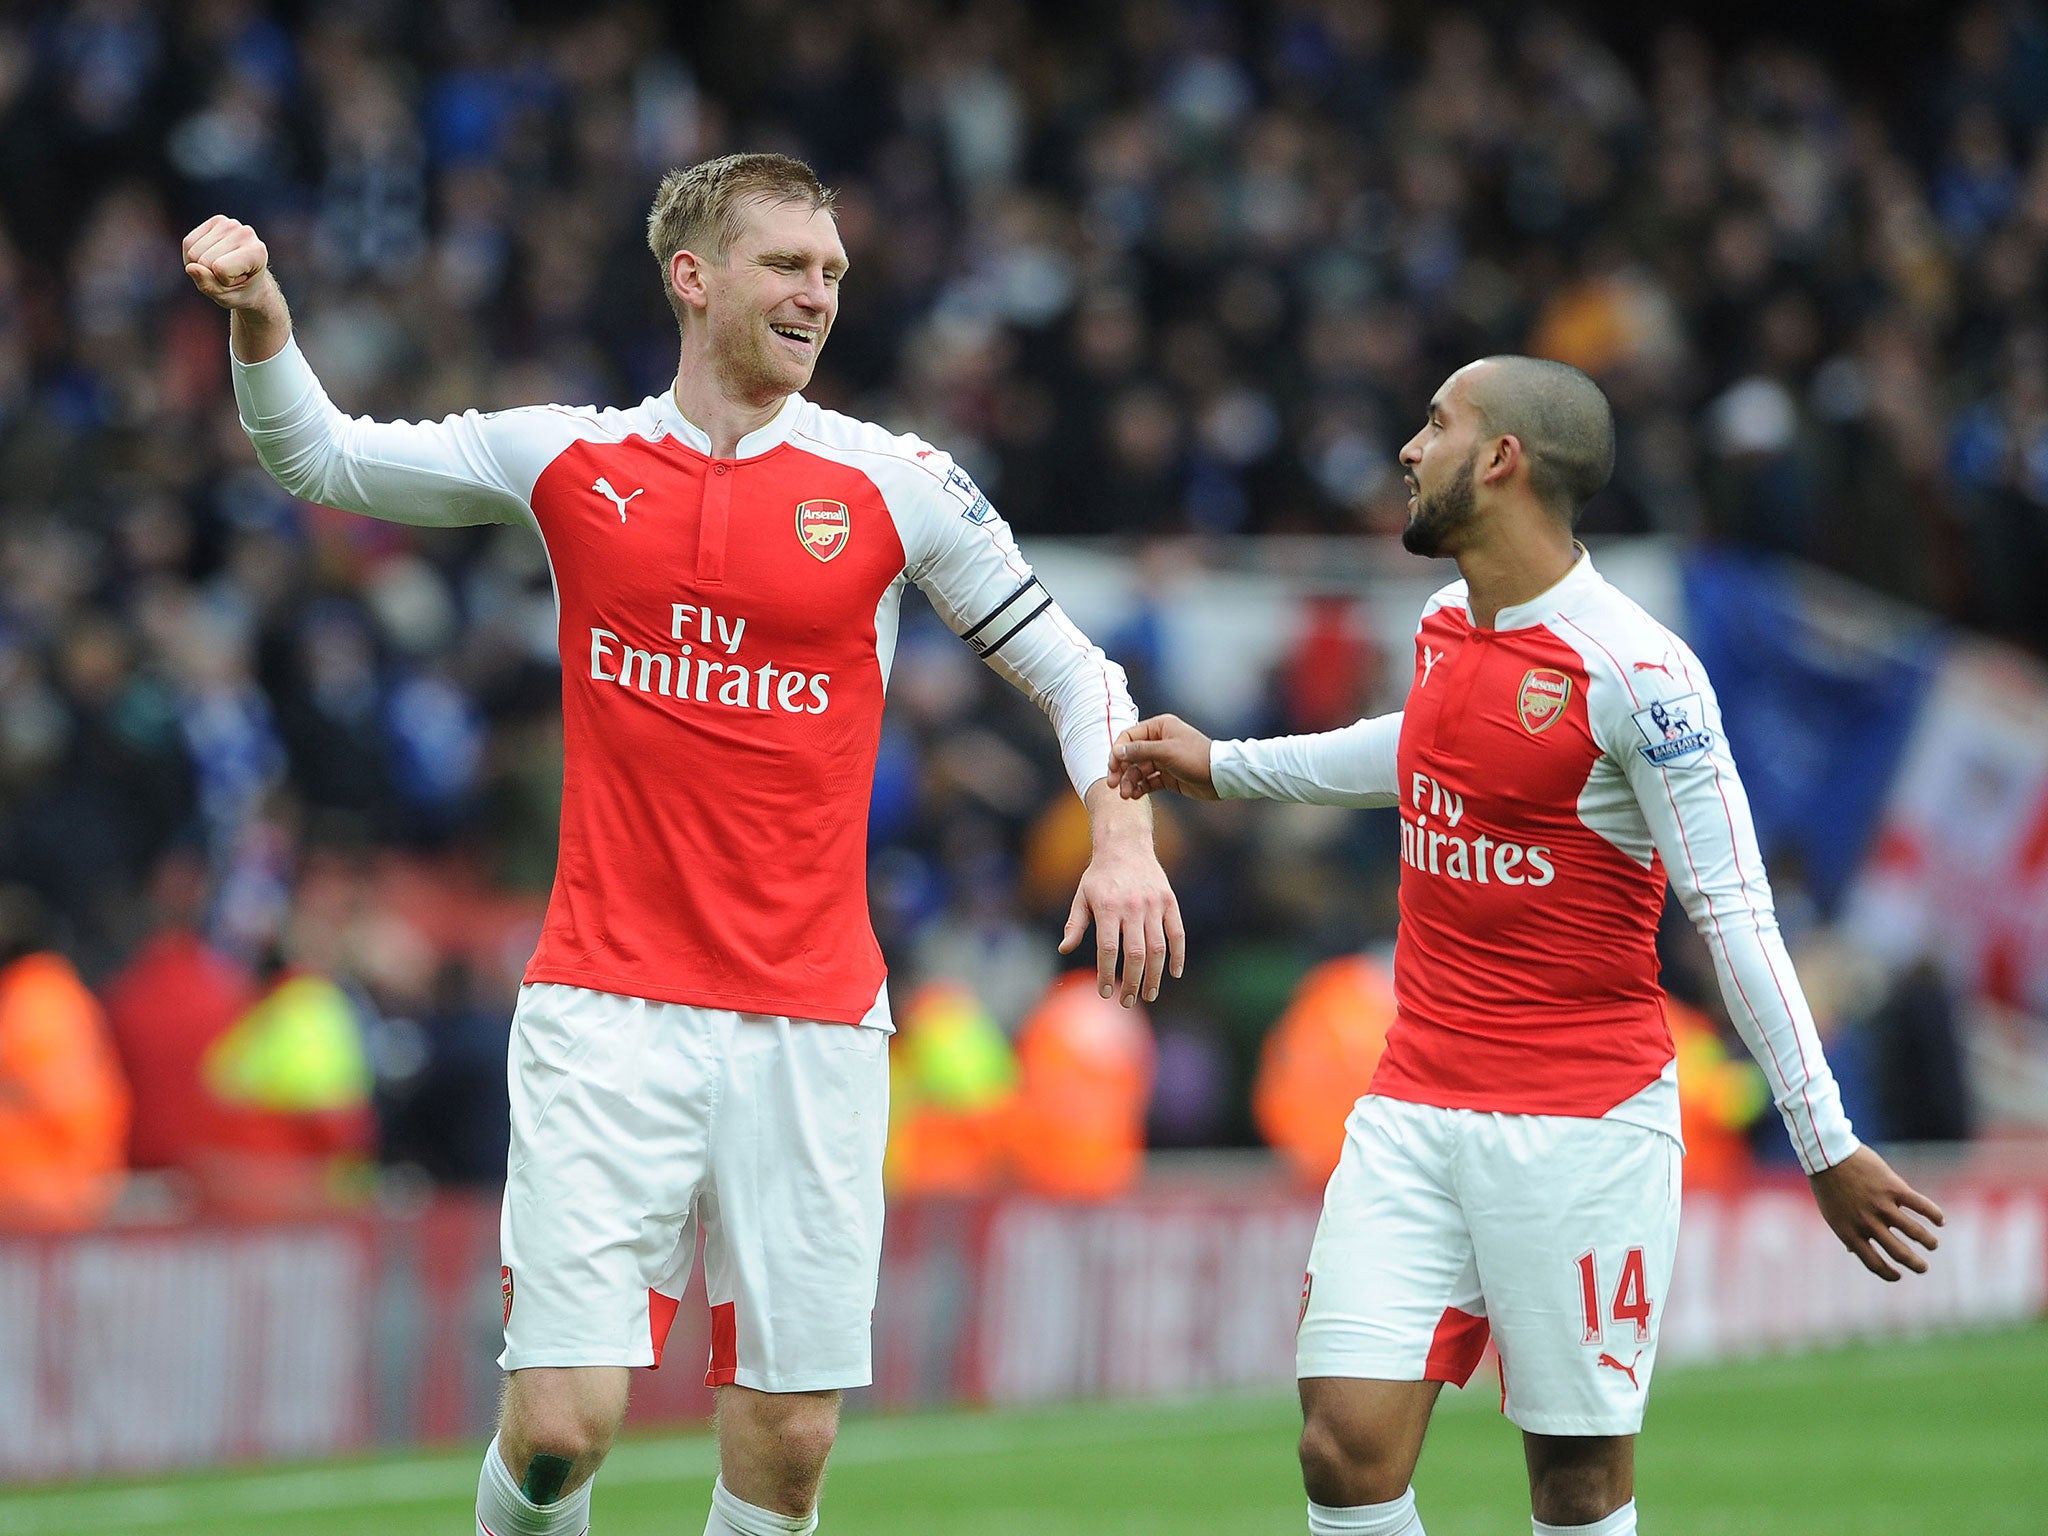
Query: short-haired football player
[[700, 1043], [1515, 1168]]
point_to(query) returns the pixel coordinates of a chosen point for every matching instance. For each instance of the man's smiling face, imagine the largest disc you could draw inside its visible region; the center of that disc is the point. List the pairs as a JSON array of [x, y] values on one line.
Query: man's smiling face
[[771, 301]]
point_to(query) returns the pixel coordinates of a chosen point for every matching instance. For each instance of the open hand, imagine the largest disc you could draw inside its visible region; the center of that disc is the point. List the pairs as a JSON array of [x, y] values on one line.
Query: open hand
[[1125, 893], [1874, 1212], [1164, 752]]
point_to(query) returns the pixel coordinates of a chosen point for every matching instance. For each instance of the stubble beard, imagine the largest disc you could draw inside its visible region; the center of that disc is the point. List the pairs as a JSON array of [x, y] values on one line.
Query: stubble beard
[[1441, 520], [750, 369]]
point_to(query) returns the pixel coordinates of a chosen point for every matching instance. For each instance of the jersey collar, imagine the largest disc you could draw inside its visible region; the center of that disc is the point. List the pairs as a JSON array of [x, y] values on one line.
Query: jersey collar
[[1548, 604], [755, 443]]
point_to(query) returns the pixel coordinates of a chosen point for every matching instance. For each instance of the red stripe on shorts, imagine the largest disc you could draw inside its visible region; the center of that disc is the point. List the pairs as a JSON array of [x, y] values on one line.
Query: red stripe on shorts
[[1455, 1350], [725, 1346], [661, 1316]]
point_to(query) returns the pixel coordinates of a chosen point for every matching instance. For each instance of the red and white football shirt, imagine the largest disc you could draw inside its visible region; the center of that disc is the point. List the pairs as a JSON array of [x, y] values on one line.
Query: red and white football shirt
[[1551, 773], [726, 628]]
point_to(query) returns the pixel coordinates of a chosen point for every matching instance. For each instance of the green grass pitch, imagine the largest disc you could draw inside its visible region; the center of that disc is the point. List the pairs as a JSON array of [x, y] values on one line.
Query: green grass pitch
[[1940, 1437]]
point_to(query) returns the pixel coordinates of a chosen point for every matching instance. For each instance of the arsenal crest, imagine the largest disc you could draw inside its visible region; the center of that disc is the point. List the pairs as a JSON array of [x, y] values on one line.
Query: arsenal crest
[[1545, 692], [823, 527], [505, 1285]]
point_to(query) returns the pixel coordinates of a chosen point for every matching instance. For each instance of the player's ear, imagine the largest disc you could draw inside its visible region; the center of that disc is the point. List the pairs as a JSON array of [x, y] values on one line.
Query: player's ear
[[1507, 453], [686, 278]]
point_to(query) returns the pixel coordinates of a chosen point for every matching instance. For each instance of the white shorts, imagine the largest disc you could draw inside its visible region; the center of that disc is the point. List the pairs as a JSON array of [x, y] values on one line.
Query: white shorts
[[635, 1124], [1555, 1233]]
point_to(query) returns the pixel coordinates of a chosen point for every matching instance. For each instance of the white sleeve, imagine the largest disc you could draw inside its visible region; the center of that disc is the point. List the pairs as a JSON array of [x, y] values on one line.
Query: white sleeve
[[442, 474], [1673, 750], [1352, 766], [964, 557]]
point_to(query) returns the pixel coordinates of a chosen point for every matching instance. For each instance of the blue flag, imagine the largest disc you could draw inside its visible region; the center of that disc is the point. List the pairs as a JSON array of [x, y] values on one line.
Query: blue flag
[[1819, 683]]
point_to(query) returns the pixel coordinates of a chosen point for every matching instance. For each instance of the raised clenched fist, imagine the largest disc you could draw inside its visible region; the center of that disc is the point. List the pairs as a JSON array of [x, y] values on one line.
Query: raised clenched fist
[[228, 263]]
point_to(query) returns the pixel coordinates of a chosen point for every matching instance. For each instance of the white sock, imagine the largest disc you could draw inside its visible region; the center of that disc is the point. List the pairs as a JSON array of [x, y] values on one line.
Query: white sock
[[1621, 1523], [502, 1510], [1396, 1517], [732, 1516]]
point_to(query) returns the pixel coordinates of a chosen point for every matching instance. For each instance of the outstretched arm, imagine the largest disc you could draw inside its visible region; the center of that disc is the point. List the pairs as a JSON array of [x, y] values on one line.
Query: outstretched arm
[[466, 469], [1354, 766], [1164, 752]]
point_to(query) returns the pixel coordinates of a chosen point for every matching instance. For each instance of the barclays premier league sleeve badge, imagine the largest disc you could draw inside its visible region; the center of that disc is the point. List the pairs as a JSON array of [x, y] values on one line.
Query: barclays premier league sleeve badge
[[973, 505], [1674, 731]]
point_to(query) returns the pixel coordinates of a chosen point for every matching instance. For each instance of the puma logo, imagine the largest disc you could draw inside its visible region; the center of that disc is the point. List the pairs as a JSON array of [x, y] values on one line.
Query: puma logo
[[1628, 1370], [1653, 666], [1429, 660], [615, 498]]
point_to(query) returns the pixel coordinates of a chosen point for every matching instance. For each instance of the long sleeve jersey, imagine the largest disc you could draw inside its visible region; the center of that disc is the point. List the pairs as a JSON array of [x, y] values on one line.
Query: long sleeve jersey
[[726, 627], [1551, 772]]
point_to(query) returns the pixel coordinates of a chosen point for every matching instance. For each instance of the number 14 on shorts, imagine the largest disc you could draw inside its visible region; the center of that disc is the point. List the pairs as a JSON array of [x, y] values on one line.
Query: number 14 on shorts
[[1631, 1301]]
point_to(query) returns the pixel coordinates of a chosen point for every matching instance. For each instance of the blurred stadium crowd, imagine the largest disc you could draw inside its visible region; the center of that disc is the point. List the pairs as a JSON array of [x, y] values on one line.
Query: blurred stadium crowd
[[1157, 270]]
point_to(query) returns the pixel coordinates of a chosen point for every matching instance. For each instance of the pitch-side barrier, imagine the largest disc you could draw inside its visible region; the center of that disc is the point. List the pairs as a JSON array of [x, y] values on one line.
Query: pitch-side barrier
[[148, 1348]]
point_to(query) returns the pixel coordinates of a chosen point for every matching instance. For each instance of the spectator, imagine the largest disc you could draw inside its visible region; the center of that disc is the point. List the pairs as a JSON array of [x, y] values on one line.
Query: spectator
[[952, 1085], [445, 1110], [63, 1103], [1331, 673], [170, 1003], [1078, 1121], [1923, 1090], [1319, 1059], [1720, 1096], [290, 1080]]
